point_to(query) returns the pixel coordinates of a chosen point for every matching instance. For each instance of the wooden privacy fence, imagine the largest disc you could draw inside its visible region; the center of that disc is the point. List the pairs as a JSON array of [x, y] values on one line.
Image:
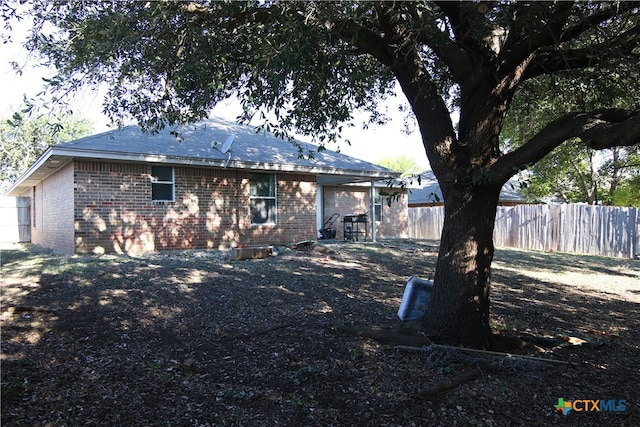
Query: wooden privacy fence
[[596, 230], [15, 219]]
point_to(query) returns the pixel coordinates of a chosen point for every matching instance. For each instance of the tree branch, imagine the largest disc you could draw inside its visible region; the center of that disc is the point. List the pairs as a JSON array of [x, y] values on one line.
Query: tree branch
[[469, 25], [470, 28], [596, 19], [613, 128], [598, 129], [543, 37], [362, 38], [454, 57], [521, 43], [558, 60]]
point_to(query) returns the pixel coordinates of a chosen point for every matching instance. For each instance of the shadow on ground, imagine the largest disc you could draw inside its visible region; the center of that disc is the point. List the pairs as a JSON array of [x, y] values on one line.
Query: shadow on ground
[[194, 338]]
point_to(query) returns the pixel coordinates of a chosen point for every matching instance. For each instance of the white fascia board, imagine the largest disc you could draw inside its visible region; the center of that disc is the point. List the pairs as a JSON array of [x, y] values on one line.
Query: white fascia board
[[34, 167], [384, 183]]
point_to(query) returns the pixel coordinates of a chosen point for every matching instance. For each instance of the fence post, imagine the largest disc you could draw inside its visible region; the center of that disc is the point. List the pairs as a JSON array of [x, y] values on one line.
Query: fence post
[[634, 239]]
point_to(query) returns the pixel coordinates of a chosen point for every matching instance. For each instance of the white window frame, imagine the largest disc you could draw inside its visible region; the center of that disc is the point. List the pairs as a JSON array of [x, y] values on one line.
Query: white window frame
[[274, 197], [378, 202], [156, 181]]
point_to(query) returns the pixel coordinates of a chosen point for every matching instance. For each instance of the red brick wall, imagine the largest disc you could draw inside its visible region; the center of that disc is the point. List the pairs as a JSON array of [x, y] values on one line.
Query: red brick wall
[[114, 211]]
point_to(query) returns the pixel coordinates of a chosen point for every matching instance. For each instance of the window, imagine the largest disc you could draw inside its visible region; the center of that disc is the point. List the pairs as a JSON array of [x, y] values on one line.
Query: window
[[262, 198], [377, 204], [162, 183]]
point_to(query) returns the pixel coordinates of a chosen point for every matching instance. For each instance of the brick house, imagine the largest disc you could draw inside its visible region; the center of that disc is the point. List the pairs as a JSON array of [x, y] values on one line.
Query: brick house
[[127, 191]]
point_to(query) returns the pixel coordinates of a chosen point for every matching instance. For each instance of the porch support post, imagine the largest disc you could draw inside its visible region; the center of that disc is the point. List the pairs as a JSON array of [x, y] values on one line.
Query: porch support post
[[373, 211]]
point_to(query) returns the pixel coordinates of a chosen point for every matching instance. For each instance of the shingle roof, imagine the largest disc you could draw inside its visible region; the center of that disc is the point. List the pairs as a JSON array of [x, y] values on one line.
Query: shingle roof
[[195, 142], [200, 144], [431, 193]]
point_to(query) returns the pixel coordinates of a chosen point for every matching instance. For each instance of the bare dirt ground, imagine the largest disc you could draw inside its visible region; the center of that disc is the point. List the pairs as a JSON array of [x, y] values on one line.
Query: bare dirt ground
[[197, 339]]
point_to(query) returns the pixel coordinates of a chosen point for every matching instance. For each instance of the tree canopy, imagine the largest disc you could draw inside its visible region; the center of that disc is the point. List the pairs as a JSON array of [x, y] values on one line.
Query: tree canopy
[[304, 67], [313, 63], [403, 164]]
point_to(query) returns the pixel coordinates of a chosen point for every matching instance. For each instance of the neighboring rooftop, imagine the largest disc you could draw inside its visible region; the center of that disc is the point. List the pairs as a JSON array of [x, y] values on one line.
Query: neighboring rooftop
[[430, 192]]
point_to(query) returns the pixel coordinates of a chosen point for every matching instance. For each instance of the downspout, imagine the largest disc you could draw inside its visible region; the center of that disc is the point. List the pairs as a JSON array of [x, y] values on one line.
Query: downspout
[[373, 211]]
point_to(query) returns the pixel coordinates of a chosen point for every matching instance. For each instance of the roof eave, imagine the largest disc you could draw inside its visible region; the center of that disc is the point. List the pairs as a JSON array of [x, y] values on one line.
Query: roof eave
[[64, 152], [19, 186]]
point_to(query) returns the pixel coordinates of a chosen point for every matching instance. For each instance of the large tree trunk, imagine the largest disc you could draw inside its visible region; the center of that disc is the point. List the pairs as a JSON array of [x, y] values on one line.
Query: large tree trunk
[[459, 309]]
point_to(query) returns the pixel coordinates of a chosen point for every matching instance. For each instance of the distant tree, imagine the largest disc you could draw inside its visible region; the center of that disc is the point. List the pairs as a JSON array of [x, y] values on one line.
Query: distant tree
[[621, 173], [577, 174], [402, 164], [628, 193], [311, 64], [24, 138], [569, 175]]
